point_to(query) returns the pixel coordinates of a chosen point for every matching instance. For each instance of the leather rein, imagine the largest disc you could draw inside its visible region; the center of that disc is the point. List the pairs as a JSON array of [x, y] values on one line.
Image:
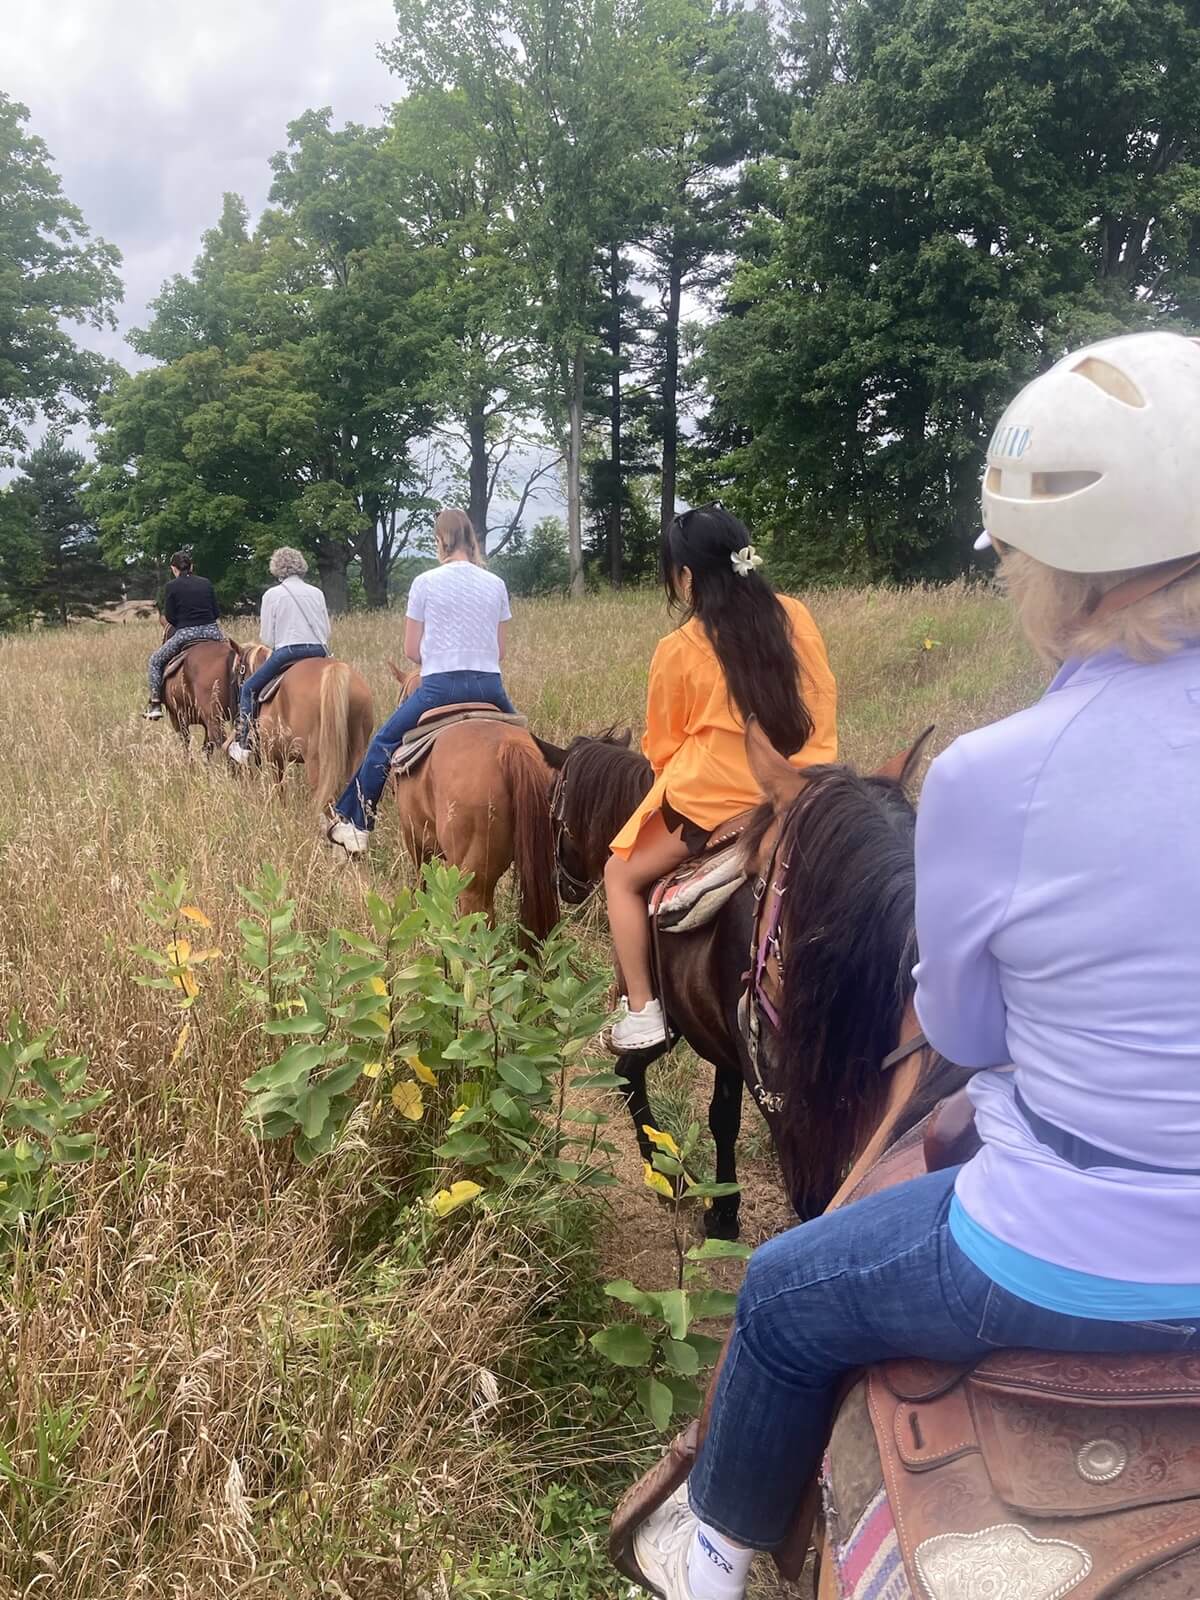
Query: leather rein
[[583, 887]]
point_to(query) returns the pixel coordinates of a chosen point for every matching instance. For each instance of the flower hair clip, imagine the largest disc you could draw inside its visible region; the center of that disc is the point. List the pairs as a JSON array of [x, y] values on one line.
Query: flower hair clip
[[745, 560]]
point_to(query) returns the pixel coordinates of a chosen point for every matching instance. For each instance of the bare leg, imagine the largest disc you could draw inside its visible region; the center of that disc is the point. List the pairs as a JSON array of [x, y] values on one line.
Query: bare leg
[[625, 884]]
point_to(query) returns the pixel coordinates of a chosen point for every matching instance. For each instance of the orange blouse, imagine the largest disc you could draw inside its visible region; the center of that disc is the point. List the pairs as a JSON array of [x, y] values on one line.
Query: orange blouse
[[695, 737]]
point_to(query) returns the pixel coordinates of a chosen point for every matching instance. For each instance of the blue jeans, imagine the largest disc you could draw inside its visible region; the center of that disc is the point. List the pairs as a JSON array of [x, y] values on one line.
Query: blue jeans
[[254, 685], [359, 802], [880, 1278]]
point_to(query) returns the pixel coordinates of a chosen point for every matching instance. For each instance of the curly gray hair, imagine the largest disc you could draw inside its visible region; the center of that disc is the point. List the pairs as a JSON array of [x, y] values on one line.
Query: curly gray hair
[[287, 563]]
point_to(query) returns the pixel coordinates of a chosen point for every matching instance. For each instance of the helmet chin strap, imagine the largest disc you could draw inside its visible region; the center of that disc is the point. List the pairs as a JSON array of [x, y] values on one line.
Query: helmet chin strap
[[1142, 584]]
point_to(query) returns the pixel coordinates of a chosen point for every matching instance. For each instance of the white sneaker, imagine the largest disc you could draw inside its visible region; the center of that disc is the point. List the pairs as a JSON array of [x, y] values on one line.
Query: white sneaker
[[238, 752], [662, 1545], [638, 1030], [153, 712], [354, 841]]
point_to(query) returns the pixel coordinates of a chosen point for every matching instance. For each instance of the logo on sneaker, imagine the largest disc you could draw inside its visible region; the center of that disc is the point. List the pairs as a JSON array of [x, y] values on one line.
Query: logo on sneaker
[[713, 1554]]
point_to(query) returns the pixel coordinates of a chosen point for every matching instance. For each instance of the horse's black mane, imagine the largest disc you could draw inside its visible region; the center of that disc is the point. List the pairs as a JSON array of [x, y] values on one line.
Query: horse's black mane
[[849, 941], [609, 780]]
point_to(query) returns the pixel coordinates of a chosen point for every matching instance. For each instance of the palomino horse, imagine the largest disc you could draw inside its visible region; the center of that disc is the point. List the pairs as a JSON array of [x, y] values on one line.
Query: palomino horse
[[318, 712], [481, 799], [1034, 1474], [202, 690], [600, 783]]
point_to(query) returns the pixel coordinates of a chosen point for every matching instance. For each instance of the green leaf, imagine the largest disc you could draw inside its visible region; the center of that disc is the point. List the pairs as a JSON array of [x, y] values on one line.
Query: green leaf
[[710, 1191], [688, 1396], [657, 1401], [720, 1250], [471, 1149], [681, 1357], [519, 1074], [708, 1303], [706, 1348], [676, 1311], [624, 1344], [629, 1294]]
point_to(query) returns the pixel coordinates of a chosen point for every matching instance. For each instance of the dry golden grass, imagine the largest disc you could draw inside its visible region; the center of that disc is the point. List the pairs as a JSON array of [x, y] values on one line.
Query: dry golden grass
[[210, 1385]]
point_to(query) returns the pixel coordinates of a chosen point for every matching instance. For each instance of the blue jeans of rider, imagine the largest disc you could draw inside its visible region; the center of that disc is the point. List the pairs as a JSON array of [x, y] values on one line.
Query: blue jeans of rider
[[278, 661], [359, 802], [170, 648], [881, 1278]]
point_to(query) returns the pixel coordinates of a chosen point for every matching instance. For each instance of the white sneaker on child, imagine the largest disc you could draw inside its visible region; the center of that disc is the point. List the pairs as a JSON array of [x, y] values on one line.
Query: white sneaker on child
[[238, 752], [637, 1030]]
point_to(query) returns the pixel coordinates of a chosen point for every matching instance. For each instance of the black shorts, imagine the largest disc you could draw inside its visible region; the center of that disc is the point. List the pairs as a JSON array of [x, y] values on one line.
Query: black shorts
[[694, 836]]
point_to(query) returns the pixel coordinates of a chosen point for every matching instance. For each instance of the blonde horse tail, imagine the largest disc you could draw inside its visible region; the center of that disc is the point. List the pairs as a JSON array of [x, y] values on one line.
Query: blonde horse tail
[[333, 732], [527, 781]]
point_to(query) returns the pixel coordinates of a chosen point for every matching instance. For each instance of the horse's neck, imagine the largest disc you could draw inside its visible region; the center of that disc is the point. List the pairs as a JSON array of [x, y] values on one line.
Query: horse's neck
[[905, 1079]]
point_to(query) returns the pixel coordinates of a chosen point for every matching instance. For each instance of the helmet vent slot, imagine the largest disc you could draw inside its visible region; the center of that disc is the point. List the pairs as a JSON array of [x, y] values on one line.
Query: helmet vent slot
[[1111, 379], [1055, 485]]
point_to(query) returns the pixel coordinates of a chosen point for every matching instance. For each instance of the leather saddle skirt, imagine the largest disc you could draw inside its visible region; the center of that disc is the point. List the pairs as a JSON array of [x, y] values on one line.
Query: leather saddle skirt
[[275, 685], [419, 741], [176, 662]]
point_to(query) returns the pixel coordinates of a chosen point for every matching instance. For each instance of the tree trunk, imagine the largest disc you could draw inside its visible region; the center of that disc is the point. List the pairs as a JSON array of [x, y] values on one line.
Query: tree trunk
[[332, 560], [670, 394], [477, 509], [616, 505], [374, 574], [574, 470]]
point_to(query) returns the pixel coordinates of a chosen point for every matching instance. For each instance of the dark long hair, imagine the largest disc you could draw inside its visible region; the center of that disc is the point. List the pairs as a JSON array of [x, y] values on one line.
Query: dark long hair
[[744, 621]]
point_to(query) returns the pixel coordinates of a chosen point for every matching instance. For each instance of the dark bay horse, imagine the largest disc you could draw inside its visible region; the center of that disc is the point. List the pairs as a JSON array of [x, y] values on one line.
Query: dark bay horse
[[202, 691], [480, 799], [321, 715], [703, 973]]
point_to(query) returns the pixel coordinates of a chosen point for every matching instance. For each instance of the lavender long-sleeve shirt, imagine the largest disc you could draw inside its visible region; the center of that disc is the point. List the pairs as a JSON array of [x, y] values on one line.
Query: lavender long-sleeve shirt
[[1058, 915]]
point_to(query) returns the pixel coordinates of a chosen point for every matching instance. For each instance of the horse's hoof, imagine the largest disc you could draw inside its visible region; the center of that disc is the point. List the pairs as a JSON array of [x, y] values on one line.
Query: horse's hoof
[[719, 1227]]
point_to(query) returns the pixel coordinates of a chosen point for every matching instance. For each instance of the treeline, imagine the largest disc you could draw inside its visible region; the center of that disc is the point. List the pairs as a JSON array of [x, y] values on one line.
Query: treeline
[[791, 257]]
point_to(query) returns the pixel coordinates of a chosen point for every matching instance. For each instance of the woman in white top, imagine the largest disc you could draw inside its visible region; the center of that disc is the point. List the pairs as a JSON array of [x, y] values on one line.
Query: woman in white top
[[295, 625], [457, 619]]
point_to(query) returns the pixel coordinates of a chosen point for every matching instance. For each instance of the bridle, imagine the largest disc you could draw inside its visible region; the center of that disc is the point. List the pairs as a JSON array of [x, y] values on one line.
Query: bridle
[[583, 887], [765, 979]]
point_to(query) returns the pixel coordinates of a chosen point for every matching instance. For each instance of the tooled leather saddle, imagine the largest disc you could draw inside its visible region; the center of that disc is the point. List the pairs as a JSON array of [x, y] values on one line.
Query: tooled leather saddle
[[1029, 1476]]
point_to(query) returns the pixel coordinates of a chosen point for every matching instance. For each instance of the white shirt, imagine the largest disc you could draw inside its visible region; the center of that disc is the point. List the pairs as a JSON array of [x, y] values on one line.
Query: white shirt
[[462, 607], [294, 612]]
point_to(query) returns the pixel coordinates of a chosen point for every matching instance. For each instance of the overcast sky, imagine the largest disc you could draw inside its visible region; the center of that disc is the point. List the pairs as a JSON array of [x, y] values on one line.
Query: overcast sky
[[152, 109]]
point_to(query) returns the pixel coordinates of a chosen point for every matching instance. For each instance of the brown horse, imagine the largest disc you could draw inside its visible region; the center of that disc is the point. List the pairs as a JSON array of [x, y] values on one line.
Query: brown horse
[[481, 800], [202, 691], [321, 715]]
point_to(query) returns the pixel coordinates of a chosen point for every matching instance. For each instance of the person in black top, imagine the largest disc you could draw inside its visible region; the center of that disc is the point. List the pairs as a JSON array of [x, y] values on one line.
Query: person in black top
[[190, 610]]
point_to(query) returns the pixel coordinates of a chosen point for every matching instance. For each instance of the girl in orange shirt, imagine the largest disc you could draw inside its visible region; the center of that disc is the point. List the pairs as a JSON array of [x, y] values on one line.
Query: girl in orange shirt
[[740, 651]]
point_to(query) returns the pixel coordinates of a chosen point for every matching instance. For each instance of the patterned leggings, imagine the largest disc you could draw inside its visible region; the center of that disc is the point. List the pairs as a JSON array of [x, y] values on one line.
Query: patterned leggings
[[179, 640]]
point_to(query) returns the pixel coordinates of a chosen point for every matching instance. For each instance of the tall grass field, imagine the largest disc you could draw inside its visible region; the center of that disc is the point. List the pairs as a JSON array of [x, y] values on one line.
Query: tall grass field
[[229, 1372]]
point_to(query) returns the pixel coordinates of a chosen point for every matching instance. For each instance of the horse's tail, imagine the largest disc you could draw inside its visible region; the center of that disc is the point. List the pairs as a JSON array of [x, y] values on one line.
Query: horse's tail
[[525, 778], [333, 731]]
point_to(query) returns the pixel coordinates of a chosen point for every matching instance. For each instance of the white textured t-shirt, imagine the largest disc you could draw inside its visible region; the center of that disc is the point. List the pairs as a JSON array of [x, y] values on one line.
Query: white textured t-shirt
[[462, 607]]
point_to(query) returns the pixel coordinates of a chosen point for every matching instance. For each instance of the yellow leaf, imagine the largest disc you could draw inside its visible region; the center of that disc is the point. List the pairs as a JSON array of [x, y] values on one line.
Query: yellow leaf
[[377, 986], [194, 914], [184, 980], [180, 1043], [930, 644], [407, 1099], [180, 951], [381, 1019], [664, 1141], [458, 1194], [457, 1114], [657, 1181], [203, 955], [421, 1071], [372, 1069]]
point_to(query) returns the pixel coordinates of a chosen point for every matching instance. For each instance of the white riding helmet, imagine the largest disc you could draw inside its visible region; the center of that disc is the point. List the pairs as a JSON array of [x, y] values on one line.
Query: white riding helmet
[[1093, 467]]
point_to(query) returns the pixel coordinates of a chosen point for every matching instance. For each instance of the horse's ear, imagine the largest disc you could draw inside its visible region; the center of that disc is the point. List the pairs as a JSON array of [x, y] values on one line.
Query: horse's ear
[[776, 777], [901, 767], [397, 672], [624, 739], [552, 755]]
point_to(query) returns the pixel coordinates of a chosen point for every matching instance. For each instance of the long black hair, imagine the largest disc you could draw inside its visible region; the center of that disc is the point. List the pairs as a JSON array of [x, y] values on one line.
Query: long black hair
[[744, 621]]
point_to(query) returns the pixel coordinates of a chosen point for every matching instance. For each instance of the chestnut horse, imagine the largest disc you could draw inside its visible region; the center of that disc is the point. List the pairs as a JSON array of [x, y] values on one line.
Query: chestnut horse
[[203, 691], [481, 799], [321, 715]]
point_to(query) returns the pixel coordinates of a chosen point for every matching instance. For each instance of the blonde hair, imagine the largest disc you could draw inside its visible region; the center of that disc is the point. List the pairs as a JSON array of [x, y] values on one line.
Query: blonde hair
[[1054, 609], [454, 534]]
